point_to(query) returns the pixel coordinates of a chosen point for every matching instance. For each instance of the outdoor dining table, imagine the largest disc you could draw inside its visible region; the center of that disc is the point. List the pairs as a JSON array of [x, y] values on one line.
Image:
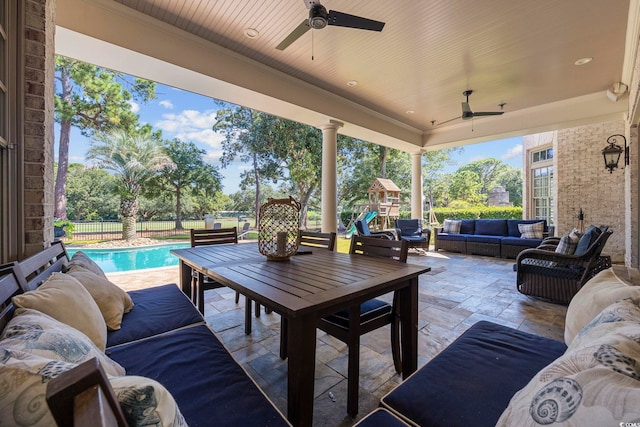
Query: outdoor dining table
[[304, 289]]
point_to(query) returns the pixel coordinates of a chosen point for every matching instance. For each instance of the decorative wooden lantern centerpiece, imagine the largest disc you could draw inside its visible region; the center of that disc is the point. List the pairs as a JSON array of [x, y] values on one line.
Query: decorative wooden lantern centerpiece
[[278, 228]]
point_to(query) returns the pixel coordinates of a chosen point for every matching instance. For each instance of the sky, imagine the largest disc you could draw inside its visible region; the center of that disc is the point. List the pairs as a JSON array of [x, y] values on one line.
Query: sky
[[189, 117]]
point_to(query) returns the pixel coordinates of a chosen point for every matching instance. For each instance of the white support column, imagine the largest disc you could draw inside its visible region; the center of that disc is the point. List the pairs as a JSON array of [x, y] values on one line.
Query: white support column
[[329, 175], [417, 207]]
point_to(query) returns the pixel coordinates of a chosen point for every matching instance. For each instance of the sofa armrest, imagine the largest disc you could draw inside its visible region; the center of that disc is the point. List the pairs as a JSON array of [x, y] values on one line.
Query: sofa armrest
[[83, 397]]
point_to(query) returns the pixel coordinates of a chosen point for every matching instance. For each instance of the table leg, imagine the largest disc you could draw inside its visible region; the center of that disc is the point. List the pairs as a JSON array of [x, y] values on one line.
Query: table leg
[[408, 301], [186, 279], [301, 370]]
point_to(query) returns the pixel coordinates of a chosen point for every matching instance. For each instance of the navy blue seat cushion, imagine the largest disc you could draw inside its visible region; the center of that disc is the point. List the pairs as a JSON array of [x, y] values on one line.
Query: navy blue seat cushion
[[380, 418], [453, 237], [208, 385], [471, 382], [419, 238], [590, 235], [518, 241], [514, 231], [368, 310], [492, 227], [156, 310], [481, 238], [468, 226]]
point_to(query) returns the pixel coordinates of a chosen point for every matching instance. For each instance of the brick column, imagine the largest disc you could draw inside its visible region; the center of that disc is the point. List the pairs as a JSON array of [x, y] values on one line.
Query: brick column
[[38, 75]]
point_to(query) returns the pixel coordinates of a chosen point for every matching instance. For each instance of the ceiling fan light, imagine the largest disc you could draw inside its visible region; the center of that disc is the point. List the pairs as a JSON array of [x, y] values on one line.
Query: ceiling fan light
[[318, 17]]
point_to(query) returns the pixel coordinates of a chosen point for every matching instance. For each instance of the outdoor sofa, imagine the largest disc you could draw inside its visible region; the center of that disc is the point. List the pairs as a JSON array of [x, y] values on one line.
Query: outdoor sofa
[[164, 365], [490, 237], [496, 375]]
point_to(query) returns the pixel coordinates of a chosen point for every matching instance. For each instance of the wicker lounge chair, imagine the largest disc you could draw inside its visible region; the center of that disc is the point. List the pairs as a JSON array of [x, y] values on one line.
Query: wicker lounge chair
[[557, 277]]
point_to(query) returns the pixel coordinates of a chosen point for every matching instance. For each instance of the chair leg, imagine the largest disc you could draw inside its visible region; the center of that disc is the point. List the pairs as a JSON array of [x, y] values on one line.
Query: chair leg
[[237, 297], [257, 309], [247, 316], [284, 337], [353, 375], [395, 335], [395, 344]]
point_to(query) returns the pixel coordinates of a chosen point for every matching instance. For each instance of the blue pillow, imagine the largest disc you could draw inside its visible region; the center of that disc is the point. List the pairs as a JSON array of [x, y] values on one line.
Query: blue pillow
[[590, 235]]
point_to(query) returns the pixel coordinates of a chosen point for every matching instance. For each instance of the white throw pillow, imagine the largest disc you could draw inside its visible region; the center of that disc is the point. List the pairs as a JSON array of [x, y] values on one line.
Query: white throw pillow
[[33, 332], [452, 226], [83, 260], [596, 385], [112, 300], [598, 293], [66, 300]]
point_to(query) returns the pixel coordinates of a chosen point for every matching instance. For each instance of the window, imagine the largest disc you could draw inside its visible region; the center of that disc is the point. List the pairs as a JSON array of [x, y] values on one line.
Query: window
[[542, 184]]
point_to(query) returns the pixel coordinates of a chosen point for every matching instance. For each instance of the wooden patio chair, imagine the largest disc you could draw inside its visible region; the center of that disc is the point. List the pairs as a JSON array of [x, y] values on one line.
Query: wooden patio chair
[[201, 283], [544, 273], [374, 314], [310, 239]]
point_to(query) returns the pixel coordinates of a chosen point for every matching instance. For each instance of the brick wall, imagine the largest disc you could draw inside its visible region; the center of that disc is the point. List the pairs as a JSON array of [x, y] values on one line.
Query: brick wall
[[38, 75], [581, 181]]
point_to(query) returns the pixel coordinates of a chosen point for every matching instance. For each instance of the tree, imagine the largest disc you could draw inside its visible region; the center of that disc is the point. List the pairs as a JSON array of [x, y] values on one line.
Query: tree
[[465, 185], [487, 171], [511, 179], [90, 193], [189, 174], [435, 185], [91, 99], [134, 157], [249, 137]]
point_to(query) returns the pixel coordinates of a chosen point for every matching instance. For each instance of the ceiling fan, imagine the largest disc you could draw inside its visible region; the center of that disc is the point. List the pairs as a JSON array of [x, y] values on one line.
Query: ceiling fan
[[468, 114], [320, 18]]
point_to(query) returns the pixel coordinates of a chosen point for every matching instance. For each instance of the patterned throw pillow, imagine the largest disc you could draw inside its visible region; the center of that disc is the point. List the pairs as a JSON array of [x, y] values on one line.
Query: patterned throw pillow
[[596, 385], [568, 244], [33, 332], [25, 376], [452, 226], [531, 231]]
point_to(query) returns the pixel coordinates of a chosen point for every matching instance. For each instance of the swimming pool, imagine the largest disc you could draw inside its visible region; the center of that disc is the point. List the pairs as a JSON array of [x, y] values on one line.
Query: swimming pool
[[136, 258]]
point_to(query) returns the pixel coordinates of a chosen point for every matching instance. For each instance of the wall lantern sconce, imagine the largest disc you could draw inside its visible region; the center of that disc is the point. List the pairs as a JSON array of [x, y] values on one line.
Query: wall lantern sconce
[[611, 152]]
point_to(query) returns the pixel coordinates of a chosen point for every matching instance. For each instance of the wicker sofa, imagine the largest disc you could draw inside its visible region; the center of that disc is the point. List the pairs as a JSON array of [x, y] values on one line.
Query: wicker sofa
[[165, 366], [489, 237]]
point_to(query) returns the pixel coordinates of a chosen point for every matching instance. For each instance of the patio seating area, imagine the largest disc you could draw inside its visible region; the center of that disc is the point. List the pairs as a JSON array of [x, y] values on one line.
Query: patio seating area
[[459, 291]]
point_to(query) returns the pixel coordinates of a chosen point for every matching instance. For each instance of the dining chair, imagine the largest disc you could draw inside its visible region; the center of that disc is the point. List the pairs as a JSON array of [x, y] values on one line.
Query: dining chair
[[374, 314], [309, 239], [201, 282]]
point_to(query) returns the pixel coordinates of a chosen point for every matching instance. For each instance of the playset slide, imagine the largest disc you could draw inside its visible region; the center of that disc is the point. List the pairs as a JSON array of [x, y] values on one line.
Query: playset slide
[[367, 216]]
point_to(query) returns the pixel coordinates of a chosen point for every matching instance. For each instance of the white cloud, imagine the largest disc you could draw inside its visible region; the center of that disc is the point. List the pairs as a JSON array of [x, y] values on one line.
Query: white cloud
[[166, 104], [135, 107], [515, 151], [187, 121]]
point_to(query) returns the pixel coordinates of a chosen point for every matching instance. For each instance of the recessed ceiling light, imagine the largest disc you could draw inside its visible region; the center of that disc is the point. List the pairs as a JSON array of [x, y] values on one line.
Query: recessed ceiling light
[[410, 112], [583, 61], [251, 33], [352, 83]]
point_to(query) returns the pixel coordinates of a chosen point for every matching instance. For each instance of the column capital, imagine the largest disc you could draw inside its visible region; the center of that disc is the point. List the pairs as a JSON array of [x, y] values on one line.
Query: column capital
[[331, 124]]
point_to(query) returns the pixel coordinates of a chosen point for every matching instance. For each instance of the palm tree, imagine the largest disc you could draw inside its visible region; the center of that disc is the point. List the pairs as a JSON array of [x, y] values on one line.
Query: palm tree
[[134, 157]]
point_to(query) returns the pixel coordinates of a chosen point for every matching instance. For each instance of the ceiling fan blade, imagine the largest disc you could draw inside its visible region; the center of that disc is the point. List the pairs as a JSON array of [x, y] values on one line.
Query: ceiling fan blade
[[466, 108], [447, 121], [341, 19], [295, 35], [488, 113]]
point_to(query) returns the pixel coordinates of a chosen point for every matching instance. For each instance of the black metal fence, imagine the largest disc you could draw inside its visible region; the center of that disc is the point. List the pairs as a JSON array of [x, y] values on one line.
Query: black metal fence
[[112, 230]]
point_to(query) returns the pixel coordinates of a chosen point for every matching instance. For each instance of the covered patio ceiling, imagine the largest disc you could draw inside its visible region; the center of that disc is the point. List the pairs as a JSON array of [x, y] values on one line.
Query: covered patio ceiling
[[410, 76]]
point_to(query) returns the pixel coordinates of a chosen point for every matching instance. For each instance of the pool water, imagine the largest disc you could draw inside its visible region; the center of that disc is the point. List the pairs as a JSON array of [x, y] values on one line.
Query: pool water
[[136, 258]]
